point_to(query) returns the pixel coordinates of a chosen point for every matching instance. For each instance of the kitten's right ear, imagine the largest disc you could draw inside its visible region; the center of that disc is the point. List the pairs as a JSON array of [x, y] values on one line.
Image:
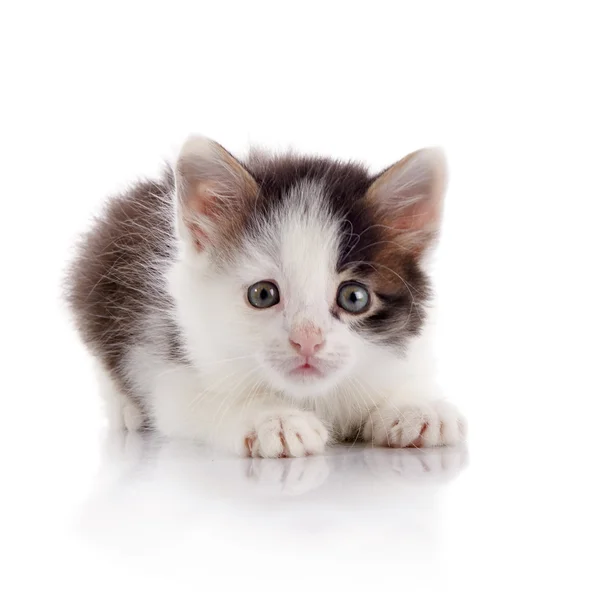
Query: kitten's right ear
[[408, 197], [212, 188]]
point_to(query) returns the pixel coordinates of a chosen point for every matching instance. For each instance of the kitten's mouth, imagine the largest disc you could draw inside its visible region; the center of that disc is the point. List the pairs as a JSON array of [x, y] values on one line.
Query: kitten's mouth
[[306, 370]]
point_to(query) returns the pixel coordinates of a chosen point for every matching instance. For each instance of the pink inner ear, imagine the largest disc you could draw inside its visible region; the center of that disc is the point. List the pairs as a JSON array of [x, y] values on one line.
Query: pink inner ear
[[203, 200], [199, 236], [423, 215], [200, 203], [407, 223]]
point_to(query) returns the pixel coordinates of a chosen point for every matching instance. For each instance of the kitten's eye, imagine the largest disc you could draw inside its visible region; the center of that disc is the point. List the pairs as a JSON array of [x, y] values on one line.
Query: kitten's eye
[[263, 294], [353, 297]]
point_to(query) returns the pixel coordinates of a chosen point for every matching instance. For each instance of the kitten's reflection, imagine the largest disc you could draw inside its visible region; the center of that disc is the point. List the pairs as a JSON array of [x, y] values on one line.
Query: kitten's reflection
[[131, 456], [153, 493], [150, 491]]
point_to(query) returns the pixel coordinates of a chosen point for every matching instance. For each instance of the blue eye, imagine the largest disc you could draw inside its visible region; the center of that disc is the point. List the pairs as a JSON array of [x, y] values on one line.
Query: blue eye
[[263, 294], [353, 297]]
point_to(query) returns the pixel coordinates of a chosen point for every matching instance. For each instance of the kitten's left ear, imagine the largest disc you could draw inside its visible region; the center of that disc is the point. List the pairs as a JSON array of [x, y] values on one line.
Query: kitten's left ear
[[408, 196], [212, 190]]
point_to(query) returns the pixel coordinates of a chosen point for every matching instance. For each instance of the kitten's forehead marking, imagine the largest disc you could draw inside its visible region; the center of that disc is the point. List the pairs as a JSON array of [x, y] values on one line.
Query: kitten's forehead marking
[[308, 240]]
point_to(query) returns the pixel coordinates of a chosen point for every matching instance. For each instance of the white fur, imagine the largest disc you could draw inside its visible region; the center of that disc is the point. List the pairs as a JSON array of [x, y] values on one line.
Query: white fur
[[121, 412], [236, 395]]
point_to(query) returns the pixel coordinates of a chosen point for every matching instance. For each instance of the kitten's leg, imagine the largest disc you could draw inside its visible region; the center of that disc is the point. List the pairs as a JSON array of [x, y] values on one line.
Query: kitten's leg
[[401, 424], [259, 426], [121, 411]]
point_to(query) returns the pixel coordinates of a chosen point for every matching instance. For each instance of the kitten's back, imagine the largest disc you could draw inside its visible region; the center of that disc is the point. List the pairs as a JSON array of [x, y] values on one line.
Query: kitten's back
[[117, 277]]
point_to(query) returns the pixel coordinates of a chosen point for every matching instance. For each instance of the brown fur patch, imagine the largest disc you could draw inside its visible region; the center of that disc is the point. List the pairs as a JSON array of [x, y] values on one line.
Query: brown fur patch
[[117, 276]]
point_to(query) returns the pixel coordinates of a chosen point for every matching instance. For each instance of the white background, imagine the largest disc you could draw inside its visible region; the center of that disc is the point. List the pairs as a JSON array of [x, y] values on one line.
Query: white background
[[96, 94]]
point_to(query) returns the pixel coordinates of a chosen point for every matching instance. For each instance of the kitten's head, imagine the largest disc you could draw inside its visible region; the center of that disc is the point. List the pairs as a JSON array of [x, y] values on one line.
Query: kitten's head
[[302, 268]]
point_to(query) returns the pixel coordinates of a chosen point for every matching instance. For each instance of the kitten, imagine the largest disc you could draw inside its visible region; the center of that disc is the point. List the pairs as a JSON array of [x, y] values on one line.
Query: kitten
[[268, 306]]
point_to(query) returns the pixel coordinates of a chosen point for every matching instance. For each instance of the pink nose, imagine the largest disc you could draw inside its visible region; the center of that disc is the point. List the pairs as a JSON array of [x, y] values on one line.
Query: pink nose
[[306, 340]]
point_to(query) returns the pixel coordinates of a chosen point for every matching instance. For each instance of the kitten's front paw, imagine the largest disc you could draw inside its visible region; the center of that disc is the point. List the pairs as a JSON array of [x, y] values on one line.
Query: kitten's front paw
[[286, 434], [416, 426]]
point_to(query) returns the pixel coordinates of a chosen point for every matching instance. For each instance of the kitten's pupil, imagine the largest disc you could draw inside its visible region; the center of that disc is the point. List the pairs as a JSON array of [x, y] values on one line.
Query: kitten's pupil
[[264, 294]]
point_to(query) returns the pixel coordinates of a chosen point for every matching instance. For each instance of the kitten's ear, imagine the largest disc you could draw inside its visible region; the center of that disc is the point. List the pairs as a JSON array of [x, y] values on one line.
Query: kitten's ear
[[212, 188], [408, 196]]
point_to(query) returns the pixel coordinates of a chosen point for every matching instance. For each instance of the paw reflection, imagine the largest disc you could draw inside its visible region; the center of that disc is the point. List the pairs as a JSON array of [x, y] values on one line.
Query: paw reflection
[[416, 464], [294, 476]]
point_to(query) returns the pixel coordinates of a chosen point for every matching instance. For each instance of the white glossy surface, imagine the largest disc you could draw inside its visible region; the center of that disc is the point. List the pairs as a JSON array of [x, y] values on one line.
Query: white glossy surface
[[163, 518]]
